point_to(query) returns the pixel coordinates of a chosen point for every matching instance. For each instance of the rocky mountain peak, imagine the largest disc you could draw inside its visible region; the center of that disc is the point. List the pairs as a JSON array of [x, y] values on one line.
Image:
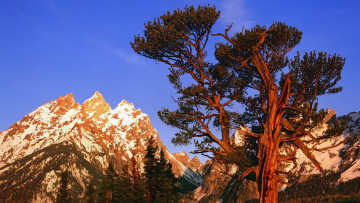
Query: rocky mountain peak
[[67, 102], [125, 106], [183, 157], [95, 106], [329, 114], [237, 139], [62, 104], [182, 154], [195, 163], [195, 158]]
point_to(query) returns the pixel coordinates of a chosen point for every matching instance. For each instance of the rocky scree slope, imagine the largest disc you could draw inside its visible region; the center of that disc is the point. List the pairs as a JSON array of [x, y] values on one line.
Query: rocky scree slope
[[81, 138]]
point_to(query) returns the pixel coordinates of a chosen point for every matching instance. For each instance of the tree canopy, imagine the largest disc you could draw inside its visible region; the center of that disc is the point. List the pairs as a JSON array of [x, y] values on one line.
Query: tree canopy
[[280, 95]]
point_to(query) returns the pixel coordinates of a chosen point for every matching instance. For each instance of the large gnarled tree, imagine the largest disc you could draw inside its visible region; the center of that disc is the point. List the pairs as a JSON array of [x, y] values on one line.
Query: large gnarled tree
[[251, 69]]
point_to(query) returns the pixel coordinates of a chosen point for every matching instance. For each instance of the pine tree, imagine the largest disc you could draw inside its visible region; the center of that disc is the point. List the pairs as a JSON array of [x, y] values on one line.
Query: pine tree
[[139, 186], [91, 193], [161, 182], [151, 170], [140, 191], [135, 171], [106, 190], [123, 190], [168, 184], [122, 187], [101, 195], [252, 70], [64, 193]]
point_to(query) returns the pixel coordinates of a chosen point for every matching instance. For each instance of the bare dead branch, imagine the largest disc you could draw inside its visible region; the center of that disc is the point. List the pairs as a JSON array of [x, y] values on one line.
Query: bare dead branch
[[307, 152], [252, 134], [228, 174], [210, 150], [202, 153], [313, 138], [283, 182], [286, 157], [253, 169], [225, 36], [227, 102], [292, 108], [282, 172], [325, 148]]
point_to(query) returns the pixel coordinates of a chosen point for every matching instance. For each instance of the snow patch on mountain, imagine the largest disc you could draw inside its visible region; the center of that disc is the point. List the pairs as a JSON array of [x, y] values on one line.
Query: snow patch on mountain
[[92, 132]]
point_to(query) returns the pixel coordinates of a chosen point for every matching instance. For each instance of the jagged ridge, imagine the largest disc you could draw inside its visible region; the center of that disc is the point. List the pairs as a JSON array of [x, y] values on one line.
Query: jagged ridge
[[36, 148]]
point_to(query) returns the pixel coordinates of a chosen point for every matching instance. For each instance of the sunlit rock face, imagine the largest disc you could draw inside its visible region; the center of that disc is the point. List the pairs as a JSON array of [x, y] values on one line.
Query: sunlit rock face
[[219, 185], [193, 163], [82, 138], [95, 106]]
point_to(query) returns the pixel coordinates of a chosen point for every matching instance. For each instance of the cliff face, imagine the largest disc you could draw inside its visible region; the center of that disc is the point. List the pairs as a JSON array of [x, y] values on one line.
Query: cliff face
[[193, 164], [82, 138], [220, 187]]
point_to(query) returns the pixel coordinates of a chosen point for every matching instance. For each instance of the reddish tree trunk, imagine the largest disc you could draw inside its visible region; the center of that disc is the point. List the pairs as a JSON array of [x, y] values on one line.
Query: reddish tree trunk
[[269, 153], [267, 177]]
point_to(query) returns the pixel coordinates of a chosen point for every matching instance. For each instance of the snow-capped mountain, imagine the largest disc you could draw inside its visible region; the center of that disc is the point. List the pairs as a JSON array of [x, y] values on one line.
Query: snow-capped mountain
[[83, 138], [343, 157]]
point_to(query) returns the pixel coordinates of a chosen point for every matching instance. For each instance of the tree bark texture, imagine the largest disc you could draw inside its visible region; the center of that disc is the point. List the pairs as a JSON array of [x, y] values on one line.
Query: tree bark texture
[[269, 151]]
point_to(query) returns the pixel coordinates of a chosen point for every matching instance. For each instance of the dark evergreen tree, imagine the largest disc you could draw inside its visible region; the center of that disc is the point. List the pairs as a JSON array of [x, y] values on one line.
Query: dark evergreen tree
[[122, 187], [64, 193], [91, 193], [162, 186], [101, 195], [135, 170], [252, 69], [139, 185], [167, 183], [140, 191], [106, 190], [151, 170], [123, 190]]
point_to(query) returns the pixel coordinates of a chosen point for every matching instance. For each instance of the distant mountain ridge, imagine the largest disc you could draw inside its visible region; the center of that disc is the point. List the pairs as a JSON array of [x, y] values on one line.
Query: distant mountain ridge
[[83, 138]]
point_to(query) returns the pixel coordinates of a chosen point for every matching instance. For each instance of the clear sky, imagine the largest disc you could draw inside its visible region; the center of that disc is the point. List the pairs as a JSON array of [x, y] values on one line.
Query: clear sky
[[49, 48]]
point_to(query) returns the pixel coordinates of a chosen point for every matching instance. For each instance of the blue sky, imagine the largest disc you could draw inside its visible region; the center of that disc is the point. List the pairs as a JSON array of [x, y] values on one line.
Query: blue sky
[[49, 48]]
